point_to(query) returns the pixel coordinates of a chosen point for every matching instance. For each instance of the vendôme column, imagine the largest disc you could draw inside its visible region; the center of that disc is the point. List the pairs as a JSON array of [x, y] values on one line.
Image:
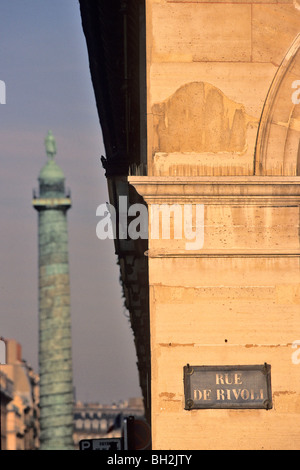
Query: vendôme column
[[55, 352]]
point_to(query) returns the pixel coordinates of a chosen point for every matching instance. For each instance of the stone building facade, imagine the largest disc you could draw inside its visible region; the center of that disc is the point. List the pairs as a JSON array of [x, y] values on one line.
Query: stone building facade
[[20, 423], [98, 421], [6, 395], [199, 106]]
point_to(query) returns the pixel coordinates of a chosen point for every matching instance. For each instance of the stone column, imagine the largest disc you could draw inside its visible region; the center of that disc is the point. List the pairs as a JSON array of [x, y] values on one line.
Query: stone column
[[55, 353]]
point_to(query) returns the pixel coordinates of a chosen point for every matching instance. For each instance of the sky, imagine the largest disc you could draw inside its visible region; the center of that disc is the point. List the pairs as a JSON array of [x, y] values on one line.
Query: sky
[[44, 65]]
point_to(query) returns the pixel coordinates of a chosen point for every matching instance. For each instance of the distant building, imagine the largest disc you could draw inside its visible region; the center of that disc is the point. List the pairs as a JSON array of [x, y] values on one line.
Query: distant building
[[6, 395], [95, 421], [20, 386]]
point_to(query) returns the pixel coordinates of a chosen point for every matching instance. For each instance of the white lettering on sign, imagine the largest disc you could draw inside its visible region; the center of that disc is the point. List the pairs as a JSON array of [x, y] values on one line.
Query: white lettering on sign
[[202, 394], [236, 394], [228, 379]]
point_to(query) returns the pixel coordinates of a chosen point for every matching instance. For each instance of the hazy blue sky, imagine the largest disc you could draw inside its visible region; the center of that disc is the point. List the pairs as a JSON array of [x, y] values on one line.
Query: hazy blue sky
[[44, 63]]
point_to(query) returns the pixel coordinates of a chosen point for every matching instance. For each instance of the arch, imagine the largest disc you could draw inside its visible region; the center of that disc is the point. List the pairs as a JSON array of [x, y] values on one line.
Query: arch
[[277, 147]]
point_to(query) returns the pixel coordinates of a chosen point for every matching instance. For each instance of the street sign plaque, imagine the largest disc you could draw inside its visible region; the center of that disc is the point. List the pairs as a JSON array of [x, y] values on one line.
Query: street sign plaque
[[234, 387], [101, 444]]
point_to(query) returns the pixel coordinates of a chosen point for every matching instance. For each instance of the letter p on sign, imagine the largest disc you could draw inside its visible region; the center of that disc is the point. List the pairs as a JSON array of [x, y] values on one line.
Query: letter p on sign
[[85, 445]]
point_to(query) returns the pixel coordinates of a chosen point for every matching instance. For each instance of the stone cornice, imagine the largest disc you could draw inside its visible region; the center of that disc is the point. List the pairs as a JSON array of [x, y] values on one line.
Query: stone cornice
[[226, 190], [251, 253], [51, 203]]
